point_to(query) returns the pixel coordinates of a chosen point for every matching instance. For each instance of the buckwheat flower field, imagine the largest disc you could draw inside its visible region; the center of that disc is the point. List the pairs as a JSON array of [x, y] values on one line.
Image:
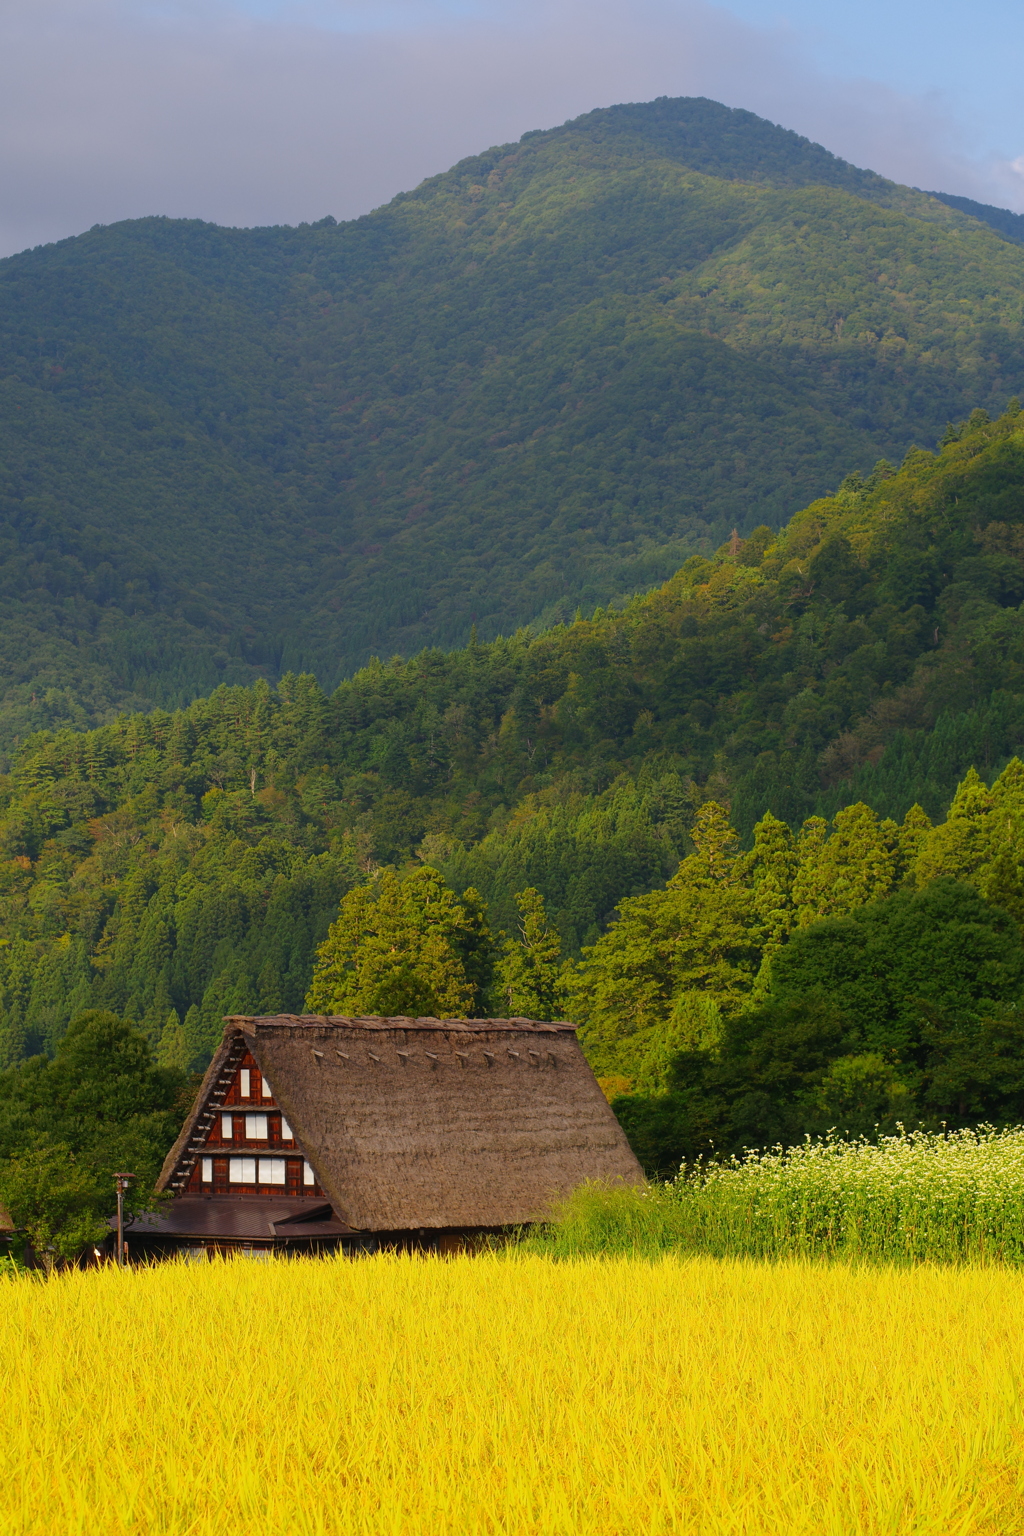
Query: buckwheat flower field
[[953, 1197], [511, 1393]]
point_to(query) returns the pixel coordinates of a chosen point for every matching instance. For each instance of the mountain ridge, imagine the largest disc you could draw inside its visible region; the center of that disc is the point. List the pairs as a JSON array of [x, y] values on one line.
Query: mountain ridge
[[536, 382]]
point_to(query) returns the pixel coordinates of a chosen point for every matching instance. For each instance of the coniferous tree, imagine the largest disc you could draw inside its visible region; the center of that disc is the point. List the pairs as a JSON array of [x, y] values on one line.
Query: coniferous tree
[[964, 841], [698, 935], [172, 1050], [531, 971], [771, 868], [914, 829], [399, 946], [853, 866]]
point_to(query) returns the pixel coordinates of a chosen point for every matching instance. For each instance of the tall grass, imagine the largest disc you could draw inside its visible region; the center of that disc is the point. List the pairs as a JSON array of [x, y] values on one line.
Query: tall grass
[[950, 1198], [505, 1394]]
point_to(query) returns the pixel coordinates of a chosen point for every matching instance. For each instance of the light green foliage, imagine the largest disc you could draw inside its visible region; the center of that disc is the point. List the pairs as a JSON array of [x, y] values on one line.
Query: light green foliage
[[965, 841], [713, 931], [698, 935], [856, 864], [531, 974], [399, 946], [863, 1092], [771, 868], [981, 841], [173, 1049], [695, 1026], [903, 1004]]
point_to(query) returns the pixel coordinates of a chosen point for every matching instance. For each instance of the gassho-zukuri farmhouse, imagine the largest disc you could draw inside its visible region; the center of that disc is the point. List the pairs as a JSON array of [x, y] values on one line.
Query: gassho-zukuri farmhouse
[[313, 1132]]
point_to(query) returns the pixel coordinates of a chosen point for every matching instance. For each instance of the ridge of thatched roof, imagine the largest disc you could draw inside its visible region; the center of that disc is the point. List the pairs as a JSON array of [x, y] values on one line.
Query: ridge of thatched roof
[[428, 1123], [399, 1021]]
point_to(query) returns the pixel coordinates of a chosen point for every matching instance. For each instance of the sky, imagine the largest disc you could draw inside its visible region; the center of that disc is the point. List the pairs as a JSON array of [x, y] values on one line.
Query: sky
[[277, 111]]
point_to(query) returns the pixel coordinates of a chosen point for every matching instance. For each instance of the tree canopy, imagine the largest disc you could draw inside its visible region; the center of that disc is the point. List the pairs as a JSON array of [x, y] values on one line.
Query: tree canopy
[[404, 945], [176, 866], [100, 1107]]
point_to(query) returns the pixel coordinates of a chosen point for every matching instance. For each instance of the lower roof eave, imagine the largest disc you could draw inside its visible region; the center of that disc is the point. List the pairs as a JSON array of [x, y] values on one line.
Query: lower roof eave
[[256, 1217]]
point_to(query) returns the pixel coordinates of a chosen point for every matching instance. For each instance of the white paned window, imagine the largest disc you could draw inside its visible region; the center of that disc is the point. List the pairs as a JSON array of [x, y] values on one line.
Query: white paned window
[[241, 1170], [244, 1084], [207, 1170], [308, 1176], [227, 1128], [268, 1092], [286, 1130], [255, 1127], [272, 1170]]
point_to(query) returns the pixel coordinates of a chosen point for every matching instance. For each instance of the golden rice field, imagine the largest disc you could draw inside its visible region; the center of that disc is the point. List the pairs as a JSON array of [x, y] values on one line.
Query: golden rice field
[[513, 1394]]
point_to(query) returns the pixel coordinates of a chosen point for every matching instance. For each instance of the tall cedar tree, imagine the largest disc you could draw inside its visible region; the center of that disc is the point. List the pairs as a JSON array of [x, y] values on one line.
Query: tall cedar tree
[[531, 971], [403, 944]]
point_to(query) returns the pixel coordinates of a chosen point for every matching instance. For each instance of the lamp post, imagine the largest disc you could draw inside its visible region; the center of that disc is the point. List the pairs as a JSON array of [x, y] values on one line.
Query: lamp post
[[122, 1180]]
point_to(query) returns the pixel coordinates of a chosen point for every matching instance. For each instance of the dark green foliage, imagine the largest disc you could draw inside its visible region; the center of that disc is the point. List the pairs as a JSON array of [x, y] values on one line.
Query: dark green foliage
[[67, 1125], [538, 381], [908, 1011], [943, 947]]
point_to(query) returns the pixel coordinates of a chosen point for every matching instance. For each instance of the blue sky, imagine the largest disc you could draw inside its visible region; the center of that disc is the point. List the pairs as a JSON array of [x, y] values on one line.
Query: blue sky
[[970, 60], [274, 111]]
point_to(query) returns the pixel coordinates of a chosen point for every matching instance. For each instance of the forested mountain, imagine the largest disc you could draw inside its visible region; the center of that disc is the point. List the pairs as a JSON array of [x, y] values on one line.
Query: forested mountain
[[1007, 223], [177, 866], [540, 380]]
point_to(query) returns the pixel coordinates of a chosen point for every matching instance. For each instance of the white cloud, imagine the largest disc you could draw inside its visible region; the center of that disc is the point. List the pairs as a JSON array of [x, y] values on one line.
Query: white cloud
[[281, 113]]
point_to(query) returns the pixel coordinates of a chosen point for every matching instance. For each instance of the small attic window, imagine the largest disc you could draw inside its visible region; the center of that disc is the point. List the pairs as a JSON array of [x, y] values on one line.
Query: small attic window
[[241, 1170], [227, 1128], [308, 1176], [244, 1083], [206, 1174], [287, 1134], [268, 1092], [255, 1127]]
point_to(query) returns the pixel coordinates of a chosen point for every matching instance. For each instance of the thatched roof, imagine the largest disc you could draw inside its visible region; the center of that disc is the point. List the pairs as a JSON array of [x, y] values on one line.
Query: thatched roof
[[428, 1123]]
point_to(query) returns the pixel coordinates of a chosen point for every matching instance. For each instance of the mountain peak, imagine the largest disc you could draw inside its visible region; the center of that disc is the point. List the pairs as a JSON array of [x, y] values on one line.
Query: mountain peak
[[727, 142]]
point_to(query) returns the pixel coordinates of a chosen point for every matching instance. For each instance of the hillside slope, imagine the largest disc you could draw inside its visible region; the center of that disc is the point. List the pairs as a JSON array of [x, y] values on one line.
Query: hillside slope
[[539, 380], [190, 861]]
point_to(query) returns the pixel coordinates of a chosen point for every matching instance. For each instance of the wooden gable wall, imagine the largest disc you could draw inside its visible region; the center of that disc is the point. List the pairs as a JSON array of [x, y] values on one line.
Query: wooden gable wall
[[244, 1144]]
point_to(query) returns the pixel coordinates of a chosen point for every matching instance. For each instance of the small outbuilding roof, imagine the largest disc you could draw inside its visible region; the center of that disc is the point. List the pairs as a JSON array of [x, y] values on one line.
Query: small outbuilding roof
[[416, 1123]]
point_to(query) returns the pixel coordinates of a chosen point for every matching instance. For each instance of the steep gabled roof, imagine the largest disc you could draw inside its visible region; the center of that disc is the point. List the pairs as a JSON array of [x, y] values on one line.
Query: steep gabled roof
[[428, 1123]]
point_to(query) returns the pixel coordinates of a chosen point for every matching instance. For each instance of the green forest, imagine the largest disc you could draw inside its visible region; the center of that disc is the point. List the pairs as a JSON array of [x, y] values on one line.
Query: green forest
[[538, 382], [702, 825]]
